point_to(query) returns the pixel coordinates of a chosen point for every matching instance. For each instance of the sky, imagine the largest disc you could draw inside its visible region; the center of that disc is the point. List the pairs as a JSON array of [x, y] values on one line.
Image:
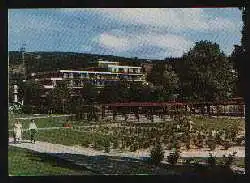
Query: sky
[[150, 33]]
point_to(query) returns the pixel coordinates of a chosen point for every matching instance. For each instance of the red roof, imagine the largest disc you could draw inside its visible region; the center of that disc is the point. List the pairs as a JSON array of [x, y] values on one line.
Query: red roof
[[172, 103], [144, 104]]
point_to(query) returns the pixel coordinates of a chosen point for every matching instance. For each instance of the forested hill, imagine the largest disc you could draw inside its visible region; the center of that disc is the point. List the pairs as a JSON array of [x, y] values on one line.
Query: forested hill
[[49, 61]]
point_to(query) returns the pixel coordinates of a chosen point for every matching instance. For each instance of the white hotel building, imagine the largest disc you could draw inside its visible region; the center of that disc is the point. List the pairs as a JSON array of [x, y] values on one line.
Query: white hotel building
[[106, 73]]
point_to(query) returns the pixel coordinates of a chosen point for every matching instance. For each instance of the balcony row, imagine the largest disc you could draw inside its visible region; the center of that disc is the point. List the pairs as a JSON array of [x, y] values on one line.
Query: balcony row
[[80, 83]]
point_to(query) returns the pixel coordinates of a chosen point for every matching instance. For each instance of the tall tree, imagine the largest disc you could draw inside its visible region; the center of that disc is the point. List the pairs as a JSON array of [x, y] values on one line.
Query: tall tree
[[206, 73], [60, 97], [89, 93], [242, 61], [165, 81], [236, 57], [31, 92]]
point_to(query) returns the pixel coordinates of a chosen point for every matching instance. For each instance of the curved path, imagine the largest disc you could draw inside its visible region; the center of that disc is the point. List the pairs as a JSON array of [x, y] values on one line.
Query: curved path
[[107, 163], [45, 147]]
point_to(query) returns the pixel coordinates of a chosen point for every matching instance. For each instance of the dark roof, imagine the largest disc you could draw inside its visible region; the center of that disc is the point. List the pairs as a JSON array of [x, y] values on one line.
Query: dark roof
[[233, 101], [144, 104]]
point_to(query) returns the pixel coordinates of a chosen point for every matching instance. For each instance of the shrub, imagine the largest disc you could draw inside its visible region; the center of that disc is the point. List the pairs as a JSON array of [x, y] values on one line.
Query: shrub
[[188, 161], [145, 145], [229, 160], [85, 142], [187, 139], [157, 154], [211, 160], [98, 142], [239, 140], [106, 145], [173, 157], [115, 144], [133, 147], [233, 133], [187, 145], [226, 144], [211, 143], [198, 141]]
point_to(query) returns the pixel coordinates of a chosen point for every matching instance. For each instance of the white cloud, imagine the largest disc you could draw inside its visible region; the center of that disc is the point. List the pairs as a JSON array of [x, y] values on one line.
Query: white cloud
[[170, 41], [167, 42], [174, 18], [172, 44], [219, 24], [112, 42]]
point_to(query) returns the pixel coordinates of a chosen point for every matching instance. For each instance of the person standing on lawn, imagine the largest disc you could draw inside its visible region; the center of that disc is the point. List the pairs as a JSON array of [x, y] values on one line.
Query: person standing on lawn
[[17, 132], [33, 131]]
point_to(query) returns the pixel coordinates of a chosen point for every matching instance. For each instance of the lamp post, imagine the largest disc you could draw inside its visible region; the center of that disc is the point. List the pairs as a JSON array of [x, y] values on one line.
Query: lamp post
[[24, 66], [63, 100]]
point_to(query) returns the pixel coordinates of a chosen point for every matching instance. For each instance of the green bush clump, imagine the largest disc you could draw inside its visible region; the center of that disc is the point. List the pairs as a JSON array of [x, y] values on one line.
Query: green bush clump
[[157, 154], [211, 160], [188, 161], [226, 144], [85, 142], [133, 147], [228, 160], [198, 141], [173, 157], [211, 143], [115, 144], [106, 143]]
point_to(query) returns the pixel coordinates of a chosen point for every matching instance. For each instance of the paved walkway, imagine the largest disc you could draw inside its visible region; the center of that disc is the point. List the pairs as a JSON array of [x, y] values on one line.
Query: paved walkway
[[45, 116], [89, 158], [45, 147]]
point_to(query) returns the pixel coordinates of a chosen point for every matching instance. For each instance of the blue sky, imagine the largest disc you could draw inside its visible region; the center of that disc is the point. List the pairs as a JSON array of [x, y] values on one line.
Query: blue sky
[[143, 33]]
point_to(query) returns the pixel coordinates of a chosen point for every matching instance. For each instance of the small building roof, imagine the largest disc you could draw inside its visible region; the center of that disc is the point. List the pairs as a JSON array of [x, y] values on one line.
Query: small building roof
[[106, 62], [96, 72], [145, 104], [124, 66]]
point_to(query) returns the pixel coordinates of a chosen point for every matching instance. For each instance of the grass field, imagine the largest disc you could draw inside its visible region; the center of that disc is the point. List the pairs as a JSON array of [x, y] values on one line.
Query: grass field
[[24, 162], [41, 123], [205, 122], [66, 137]]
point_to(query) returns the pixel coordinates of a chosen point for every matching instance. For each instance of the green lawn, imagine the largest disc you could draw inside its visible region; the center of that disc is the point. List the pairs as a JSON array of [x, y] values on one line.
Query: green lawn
[[59, 136], [41, 123], [24, 162], [68, 137]]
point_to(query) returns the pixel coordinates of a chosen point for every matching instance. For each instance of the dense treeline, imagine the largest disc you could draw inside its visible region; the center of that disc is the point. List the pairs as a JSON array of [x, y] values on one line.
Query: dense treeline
[[50, 61]]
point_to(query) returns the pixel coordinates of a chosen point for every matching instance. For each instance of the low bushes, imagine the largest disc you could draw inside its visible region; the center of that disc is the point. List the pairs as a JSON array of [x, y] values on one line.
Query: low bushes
[[173, 157], [228, 160], [106, 145], [211, 160], [211, 143], [157, 154], [226, 144]]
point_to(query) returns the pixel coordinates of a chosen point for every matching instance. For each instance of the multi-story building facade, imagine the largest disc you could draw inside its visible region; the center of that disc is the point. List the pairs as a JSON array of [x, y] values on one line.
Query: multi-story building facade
[[105, 73]]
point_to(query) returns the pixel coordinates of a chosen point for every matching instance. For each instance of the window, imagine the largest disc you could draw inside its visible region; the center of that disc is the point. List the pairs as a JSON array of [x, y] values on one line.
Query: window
[[65, 75]]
